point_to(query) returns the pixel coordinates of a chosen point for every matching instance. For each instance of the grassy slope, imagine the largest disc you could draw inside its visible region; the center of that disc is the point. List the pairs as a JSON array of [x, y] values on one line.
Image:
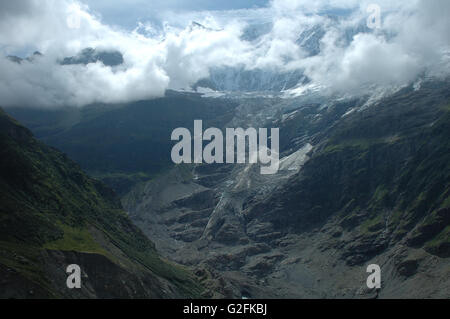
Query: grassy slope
[[49, 203]]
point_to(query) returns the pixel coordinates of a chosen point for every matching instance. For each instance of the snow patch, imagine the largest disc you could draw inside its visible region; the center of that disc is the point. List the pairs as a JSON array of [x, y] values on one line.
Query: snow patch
[[207, 92], [295, 161]]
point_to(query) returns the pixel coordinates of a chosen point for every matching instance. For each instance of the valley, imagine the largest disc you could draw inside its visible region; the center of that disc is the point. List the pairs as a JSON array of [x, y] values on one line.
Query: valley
[[200, 151], [358, 184]]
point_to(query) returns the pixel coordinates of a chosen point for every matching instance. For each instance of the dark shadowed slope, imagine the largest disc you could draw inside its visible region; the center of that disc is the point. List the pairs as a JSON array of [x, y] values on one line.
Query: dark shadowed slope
[[123, 144], [53, 215], [370, 187]]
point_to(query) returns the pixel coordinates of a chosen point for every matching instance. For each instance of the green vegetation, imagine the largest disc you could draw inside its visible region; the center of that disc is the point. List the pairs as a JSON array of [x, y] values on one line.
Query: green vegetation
[[122, 182], [440, 241], [25, 259], [387, 167], [76, 239], [48, 203], [373, 225]]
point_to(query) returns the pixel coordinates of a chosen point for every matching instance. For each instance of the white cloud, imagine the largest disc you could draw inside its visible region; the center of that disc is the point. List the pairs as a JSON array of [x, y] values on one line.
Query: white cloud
[[414, 39], [151, 64]]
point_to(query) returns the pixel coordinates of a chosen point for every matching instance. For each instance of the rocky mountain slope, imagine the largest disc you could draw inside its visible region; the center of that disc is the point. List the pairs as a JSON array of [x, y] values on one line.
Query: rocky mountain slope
[[53, 215], [363, 180], [358, 185]]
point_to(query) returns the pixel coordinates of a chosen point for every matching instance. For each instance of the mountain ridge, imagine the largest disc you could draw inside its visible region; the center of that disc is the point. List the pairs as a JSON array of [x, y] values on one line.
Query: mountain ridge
[[53, 215], [373, 190]]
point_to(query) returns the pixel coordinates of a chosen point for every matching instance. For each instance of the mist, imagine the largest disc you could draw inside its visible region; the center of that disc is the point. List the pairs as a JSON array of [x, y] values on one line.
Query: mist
[[172, 53]]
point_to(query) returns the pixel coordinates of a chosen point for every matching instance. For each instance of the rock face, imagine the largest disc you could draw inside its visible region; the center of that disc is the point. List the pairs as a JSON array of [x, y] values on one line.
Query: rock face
[[360, 183], [370, 187], [90, 55], [53, 215]]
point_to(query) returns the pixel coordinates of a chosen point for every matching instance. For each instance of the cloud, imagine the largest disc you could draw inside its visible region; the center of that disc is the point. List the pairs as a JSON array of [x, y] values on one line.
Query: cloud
[[175, 59], [413, 40], [115, 12]]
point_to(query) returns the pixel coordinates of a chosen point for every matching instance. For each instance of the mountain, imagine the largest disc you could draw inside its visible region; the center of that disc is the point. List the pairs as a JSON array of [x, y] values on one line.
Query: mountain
[[86, 56], [362, 181], [90, 55], [128, 143], [18, 60], [241, 78], [53, 215], [359, 184]]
